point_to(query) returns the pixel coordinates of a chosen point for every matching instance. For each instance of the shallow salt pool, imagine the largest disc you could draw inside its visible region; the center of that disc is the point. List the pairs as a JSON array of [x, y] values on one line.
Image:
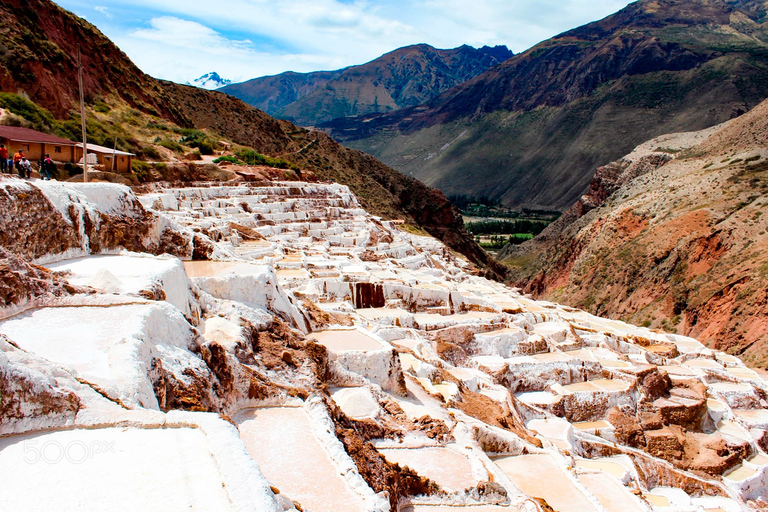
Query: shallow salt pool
[[345, 340], [282, 442], [116, 469], [539, 476], [449, 469]]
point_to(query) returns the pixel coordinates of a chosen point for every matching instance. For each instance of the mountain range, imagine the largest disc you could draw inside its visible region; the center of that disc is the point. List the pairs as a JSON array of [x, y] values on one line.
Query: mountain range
[[402, 78], [530, 131]]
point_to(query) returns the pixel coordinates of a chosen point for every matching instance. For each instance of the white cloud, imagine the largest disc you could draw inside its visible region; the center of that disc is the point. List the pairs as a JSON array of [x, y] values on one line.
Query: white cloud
[[182, 50], [170, 31], [103, 10], [242, 39]]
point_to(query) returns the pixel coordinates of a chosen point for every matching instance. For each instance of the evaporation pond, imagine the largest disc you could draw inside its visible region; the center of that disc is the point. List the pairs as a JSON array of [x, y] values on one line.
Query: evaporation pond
[[282, 442], [345, 340], [540, 477], [449, 469], [116, 469]]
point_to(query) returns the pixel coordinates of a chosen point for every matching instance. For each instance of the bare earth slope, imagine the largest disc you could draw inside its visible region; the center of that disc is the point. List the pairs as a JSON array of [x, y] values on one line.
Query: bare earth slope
[[38, 48], [531, 131], [404, 77], [674, 243]]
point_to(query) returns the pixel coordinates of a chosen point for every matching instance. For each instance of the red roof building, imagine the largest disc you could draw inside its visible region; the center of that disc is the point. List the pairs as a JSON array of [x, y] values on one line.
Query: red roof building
[[36, 145]]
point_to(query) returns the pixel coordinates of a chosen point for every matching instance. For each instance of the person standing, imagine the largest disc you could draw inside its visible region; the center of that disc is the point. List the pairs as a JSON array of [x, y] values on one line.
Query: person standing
[[16, 160], [3, 158], [46, 169]]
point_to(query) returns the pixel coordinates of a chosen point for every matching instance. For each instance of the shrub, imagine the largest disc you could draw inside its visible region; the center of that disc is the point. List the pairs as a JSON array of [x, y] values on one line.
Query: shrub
[[141, 170], [172, 145], [72, 169], [197, 139], [40, 118], [227, 158], [506, 227], [154, 125], [205, 147], [150, 152], [251, 157], [102, 107], [11, 119]]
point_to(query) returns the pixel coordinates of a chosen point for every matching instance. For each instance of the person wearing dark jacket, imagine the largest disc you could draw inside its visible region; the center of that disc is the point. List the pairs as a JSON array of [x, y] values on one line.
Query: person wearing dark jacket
[[47, 168]]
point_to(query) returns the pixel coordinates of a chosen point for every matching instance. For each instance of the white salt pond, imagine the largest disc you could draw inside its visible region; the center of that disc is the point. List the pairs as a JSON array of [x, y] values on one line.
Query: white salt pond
[[605, 464], [222, 268], [129, 273], [540, 477], [740, 473], [598, 385], [419, 403], [611, 494], [292, 273], [592, 425], [107, 346], [208, 268], [357, 403], [450, 470], [345, 340], [380, 313], [115, 469], [281, 441], [558, 431], [450, 508]]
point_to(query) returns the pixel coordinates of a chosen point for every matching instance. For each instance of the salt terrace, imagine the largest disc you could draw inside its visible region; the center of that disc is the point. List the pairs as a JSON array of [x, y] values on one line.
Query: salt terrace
[[493, 401]]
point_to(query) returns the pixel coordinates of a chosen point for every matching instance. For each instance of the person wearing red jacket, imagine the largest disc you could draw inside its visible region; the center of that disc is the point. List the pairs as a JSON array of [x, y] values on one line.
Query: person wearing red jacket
[[3, 159]]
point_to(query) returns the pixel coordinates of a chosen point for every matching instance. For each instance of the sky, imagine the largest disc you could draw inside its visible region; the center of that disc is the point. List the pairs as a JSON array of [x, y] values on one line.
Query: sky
[[181, 40]]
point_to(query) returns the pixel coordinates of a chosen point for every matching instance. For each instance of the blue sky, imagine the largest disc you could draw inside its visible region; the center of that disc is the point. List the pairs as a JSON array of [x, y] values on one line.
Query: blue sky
[[240, 39]]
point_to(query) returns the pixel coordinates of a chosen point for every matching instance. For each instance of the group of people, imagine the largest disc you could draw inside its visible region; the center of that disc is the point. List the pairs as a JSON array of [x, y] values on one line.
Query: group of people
[[23, 166]]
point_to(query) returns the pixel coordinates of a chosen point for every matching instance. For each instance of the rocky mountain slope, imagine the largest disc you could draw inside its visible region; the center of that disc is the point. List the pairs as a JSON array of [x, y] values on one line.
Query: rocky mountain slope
[[38, 48], [672, 236], [531, 131], [404, 77]]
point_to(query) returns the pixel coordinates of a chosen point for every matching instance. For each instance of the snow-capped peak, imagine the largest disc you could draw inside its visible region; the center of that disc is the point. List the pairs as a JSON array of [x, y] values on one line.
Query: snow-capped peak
[[210, 81]]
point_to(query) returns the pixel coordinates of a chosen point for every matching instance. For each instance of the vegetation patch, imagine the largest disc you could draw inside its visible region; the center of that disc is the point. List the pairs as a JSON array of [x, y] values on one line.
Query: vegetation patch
[[251, 157]]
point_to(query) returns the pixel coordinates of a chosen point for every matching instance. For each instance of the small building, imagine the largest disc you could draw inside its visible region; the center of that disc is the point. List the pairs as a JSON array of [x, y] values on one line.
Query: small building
[[36, 145], [99, 155]]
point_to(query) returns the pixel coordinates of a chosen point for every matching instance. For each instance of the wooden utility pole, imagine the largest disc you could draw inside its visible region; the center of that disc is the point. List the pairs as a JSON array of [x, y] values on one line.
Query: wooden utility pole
[[114, 156], [82, 115]]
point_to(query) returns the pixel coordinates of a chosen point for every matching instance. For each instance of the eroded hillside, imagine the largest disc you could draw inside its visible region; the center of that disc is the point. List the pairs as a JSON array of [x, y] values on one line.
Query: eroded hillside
[[672, 236]]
